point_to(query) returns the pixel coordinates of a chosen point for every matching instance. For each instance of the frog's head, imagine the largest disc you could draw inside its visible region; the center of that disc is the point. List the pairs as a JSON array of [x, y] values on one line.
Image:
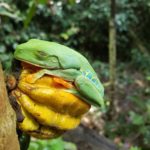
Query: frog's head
[[30, 52]]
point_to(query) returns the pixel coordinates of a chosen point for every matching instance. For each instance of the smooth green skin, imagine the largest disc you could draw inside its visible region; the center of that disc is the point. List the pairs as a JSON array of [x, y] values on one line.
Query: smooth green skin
[[61, 61]]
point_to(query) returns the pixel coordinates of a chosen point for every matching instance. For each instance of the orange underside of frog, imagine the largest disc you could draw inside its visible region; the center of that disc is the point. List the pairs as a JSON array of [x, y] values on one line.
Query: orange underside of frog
[[47, 108]]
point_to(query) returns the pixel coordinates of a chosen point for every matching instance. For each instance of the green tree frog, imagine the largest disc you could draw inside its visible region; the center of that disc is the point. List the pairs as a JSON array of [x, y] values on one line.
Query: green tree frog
[[58, 60]]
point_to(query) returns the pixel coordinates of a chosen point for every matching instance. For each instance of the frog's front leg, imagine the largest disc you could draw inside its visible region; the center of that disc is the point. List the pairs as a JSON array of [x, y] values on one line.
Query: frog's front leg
[[89, 91], [66, 74], [31, 78]]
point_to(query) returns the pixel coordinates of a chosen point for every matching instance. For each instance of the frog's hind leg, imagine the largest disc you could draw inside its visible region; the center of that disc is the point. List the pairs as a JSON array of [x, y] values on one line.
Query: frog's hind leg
[[89, 91]]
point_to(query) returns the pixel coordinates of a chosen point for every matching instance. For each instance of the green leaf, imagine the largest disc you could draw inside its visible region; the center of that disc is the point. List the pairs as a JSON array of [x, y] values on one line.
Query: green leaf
[[135, 148], [2, 48], [33, 146], [57, 144], [64, 36], [71, 2], [136, 118], [30, 13], [7, 13], [42, 1], [70, 146], [148, 78], [54, 144]]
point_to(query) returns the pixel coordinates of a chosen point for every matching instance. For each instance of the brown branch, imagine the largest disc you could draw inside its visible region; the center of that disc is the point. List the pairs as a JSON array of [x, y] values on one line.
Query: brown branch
[[88, 139], [137, 41], [8, 136]]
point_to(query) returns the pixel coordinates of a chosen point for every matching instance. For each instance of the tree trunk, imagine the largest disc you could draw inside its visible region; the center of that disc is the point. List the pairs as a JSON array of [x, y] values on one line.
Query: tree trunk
[[112, 47], [8, 136], [112, 53]]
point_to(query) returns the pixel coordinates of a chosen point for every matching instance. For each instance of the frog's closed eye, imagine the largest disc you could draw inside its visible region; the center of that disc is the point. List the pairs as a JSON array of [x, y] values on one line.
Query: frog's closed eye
[[41, 54]]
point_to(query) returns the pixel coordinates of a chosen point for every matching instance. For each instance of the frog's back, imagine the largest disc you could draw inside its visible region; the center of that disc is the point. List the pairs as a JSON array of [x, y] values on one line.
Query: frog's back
[[68, 57]]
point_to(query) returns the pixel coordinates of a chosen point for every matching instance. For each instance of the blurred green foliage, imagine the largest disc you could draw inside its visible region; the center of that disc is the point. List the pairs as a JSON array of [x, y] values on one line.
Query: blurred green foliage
[[140, 61], [135, 148], [54, 144], [80, 24], [83, 25], [133, 124]]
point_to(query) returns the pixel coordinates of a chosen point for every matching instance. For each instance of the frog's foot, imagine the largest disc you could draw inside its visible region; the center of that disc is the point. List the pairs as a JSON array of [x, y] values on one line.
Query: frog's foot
[[88, 90], [11, 82], [31, 78], [64, 83]]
